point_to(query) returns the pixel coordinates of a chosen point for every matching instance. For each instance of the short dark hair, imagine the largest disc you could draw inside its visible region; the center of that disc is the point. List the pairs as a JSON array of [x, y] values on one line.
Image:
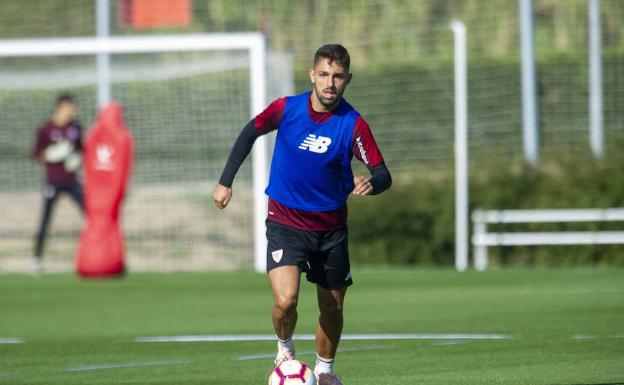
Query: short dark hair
[[65, 97], [334, 53]]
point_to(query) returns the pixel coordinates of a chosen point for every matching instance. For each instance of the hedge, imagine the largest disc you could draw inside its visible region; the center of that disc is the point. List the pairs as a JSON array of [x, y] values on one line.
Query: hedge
[[413, 222]]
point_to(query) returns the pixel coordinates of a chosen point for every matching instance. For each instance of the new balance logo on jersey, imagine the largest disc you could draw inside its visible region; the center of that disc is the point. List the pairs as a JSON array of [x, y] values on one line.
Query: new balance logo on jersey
[[318, 144]]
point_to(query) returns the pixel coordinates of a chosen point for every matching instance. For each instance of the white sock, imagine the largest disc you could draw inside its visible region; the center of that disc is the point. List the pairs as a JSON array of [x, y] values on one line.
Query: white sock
[[323, 365], [285, 344]]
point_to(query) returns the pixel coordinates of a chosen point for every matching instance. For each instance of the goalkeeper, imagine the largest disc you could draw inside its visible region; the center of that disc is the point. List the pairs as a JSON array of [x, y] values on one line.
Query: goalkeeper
[[58, 146], [318, 133]]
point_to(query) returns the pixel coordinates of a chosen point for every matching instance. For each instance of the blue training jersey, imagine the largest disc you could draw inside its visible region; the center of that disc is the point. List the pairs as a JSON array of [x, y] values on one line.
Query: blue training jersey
[[311, 166]]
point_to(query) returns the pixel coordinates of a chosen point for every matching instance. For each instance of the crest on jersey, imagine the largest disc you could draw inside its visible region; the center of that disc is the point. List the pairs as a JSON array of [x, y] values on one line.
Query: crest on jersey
[[72, 133], [277, 255], [56, 135], [103, 155]]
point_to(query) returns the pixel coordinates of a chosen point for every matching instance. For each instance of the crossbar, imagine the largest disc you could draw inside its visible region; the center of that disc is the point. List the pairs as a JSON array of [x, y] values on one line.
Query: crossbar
[[128, 44]]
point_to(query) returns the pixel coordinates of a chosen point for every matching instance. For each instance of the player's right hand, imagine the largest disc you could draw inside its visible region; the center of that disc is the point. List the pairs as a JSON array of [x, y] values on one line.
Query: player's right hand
[[222, 196]]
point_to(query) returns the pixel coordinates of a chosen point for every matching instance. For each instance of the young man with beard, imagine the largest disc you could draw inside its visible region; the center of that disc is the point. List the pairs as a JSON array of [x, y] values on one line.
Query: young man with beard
[[318, 133]]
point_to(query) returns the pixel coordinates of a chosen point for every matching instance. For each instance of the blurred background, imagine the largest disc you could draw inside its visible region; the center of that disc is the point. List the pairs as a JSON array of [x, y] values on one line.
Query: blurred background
[[186, 109]]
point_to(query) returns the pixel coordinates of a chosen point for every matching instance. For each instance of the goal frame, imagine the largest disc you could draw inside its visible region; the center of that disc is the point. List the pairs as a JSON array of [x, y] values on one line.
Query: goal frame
[[252, 42]]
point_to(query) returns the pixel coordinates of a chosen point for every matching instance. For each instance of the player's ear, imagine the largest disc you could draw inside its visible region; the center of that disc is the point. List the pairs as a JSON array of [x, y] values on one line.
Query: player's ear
[[311, 73], [349, 77]]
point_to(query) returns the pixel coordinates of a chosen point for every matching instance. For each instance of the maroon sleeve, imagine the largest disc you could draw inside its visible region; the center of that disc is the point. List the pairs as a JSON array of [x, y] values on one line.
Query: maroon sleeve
[[270, 118], [41, 142], [365, 147]]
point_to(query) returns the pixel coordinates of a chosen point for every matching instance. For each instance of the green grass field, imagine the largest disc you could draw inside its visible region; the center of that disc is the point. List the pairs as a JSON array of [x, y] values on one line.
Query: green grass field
[[79, 332]]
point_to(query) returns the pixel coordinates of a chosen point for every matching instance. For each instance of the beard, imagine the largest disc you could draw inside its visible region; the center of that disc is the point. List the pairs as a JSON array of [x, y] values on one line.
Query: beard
[[328, 103]]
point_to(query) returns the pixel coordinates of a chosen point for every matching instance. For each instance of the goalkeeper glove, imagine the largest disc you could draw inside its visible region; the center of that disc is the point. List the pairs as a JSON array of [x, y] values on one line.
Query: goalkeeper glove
[[58, 152], [73, 162]]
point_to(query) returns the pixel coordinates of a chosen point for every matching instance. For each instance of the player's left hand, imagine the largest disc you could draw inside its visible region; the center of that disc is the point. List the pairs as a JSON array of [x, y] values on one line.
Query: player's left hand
[[362, 186]]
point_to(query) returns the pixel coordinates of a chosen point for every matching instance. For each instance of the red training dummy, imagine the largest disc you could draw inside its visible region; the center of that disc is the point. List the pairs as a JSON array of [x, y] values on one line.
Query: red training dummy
[[107, 164]]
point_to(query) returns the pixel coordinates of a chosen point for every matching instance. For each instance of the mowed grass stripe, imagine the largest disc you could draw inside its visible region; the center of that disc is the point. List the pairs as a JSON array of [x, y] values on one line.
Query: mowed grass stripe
[[71, 323]]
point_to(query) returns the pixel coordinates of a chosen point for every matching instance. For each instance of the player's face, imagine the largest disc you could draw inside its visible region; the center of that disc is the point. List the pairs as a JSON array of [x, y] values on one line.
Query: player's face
[[329, 81], [66, 111]]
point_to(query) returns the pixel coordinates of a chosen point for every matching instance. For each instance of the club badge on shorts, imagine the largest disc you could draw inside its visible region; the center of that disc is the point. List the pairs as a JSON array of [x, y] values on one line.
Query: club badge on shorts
[[277, 255]]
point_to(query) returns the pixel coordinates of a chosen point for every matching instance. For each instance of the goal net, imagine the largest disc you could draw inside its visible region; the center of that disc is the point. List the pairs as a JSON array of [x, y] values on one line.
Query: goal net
[[186, 99]]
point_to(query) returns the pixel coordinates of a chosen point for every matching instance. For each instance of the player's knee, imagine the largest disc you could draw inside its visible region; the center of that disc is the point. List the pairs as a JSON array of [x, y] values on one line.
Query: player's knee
[[330, 306], [286, 302]]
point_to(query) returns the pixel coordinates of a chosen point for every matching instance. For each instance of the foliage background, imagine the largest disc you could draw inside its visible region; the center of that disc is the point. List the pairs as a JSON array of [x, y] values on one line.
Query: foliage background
[[402, 61]]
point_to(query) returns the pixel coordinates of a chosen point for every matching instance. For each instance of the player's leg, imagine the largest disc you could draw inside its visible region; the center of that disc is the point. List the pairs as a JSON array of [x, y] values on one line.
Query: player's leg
[[331, 320], [285, 286], [332, 274], [287, 252], [328, 332], [75, 191], [50, 194]]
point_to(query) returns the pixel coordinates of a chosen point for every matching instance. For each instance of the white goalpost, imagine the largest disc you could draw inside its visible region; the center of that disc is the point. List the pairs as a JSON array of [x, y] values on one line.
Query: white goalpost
[[253, 43], [461, 145]]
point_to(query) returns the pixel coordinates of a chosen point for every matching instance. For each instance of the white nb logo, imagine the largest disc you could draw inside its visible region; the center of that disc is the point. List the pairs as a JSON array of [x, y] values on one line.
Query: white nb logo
[[318, 144]]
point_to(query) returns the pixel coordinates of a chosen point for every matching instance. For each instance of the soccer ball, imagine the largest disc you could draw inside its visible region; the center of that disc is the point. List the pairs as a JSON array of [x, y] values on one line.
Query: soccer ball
[[292, 372]]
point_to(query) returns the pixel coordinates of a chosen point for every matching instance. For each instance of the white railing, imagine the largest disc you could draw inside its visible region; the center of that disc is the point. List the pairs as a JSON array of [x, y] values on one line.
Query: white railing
[[482, 239]]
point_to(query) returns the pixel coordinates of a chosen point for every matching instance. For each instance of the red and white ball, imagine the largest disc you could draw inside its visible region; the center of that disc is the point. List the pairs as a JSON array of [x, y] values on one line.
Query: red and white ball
[[292, 372]]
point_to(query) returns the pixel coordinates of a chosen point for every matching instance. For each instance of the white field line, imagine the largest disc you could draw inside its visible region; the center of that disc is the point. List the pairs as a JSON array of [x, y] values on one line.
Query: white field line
[[426, 337], [311, 337], [574, 292], [11, 340], [588, 337], [127, 365], [449, 343], [311, 352], [209, 338]]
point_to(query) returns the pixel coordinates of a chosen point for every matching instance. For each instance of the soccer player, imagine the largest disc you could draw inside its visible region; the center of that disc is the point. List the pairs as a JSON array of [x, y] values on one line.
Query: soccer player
[[318, 133], [58, 146]]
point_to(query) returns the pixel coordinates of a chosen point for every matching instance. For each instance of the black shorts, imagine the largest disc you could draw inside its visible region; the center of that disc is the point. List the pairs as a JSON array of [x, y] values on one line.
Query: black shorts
[[323, 255]]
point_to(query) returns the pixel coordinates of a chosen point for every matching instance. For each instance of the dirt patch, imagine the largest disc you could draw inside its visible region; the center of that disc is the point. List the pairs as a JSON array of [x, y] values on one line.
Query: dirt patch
[[167, 228]]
